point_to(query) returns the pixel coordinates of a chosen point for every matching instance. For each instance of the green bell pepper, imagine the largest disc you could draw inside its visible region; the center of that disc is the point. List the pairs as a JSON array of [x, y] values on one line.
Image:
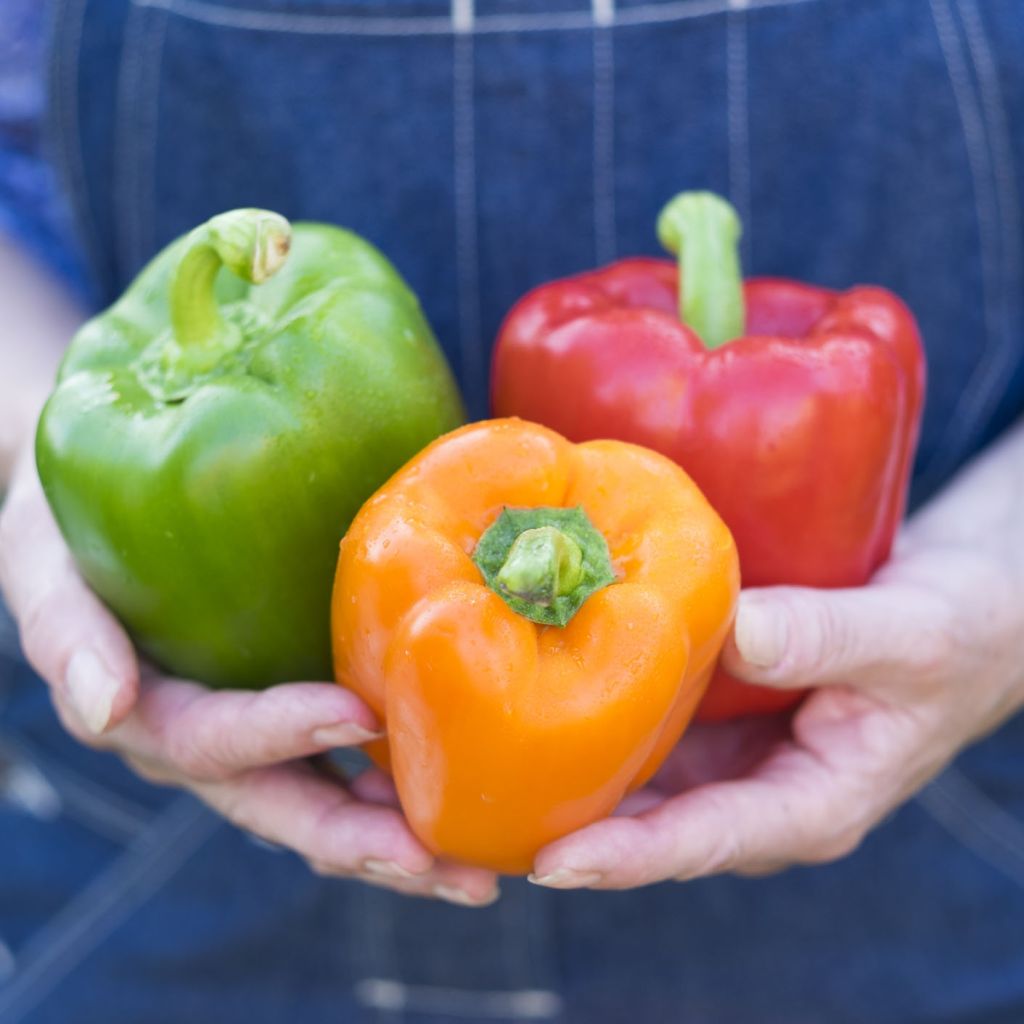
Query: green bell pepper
[[209, 441]]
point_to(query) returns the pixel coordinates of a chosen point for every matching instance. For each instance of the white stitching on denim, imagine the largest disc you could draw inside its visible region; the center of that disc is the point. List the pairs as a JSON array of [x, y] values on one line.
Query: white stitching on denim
[[466, 239], [66, 149], [126, 172], [25, 789], [319, 24], [653, 14], [506, 938], [994, 110], [91, 805], [137, 107], [462, 16], [737, 91], [147, 152], [130, 811], [540, 906], [482, 1004], [605, 233], [58, 948], [525, 971], [376, 923], [978, 822], [420, 25], [972, 126], [89, 809]]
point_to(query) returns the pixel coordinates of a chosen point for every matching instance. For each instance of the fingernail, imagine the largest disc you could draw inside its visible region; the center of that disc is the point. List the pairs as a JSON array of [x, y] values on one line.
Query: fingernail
[[344, 734], [463, 898], [566, 878], [760, 634], [386, 869], [91, 690]]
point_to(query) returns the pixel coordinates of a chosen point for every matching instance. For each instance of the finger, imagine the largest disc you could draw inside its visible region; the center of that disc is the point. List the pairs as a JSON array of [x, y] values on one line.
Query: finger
[[718, 751], [459, 884], [293, 806], [784, 814], [207, 735], [637, 802], [67, 634], [375, 787], [463, 886], [795, 637]]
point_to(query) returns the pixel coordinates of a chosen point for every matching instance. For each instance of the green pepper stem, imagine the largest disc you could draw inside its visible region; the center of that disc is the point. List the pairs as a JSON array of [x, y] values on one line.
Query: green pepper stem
[[544, 562], [251, 243], [703, 231]]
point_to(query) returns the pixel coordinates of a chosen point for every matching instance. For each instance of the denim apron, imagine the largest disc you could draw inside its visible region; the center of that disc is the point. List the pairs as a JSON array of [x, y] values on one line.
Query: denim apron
[[487, 147]]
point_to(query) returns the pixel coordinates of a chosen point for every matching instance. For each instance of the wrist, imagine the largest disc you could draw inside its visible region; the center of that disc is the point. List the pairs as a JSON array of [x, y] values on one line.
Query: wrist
[[17, 431], [39, 317]]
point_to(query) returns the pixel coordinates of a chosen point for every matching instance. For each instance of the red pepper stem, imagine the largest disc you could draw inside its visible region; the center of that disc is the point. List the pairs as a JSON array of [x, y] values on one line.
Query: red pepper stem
[[252, 244], [703, 231]]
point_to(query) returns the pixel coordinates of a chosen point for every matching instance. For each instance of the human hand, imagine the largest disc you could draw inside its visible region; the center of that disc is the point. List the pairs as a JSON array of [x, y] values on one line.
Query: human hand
[[244, 754], [910, 669]]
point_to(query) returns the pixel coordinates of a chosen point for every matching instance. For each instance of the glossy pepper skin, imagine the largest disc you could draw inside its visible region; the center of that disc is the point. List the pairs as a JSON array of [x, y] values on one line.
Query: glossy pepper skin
[[503, 733], [799, 425], [212, 434]]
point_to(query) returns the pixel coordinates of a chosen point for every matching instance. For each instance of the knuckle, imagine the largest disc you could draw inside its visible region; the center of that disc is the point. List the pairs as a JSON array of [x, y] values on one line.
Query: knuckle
[[827, 839], [819, 635], [935, 646], [210, 748], [831, 636], [190, 756], [729, 850], [882, 741], [728, 854]]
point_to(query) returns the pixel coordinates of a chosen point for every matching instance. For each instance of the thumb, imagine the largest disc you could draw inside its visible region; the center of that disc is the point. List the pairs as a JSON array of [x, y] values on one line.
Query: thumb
[[795, 637], [67, 634]]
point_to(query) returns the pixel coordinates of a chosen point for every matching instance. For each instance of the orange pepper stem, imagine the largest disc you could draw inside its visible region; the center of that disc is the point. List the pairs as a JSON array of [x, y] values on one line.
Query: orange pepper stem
[[544, 562]]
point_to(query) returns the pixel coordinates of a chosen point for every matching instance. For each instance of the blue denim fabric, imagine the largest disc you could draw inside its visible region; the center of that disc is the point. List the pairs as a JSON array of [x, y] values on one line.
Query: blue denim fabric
[[31, 211], [486, 148]]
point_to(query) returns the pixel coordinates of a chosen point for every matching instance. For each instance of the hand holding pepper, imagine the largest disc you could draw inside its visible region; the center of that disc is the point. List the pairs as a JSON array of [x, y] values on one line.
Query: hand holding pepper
[[212, 433], [237, 751], [242, 753], [911, 667], [793, 407]]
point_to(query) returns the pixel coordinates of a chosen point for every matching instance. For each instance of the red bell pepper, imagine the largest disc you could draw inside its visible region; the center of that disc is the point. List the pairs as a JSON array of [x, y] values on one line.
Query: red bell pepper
[[795, 408]]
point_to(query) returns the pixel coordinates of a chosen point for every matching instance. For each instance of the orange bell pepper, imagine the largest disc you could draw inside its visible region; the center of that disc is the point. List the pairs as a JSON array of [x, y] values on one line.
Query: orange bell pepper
[[535, 623]]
